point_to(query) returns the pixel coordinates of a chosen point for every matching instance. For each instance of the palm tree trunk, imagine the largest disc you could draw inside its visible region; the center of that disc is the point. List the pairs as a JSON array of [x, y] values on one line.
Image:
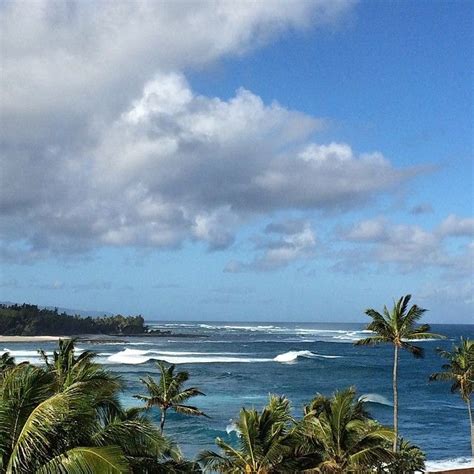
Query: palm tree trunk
[[471, 422], [163, 419], [395, 399]]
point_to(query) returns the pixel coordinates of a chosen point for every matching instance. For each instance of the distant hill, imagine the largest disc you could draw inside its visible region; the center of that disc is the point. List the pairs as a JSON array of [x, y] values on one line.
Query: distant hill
[[72, 312]]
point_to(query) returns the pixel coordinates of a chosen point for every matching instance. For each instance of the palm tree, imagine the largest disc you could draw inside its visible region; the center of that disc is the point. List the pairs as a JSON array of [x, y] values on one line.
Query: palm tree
[[408, 459], [337, 435], [170, 393], [398, 328], [6, 362], [265, 443], [460, 370], [68, 367], [76, 426], [34, 422]]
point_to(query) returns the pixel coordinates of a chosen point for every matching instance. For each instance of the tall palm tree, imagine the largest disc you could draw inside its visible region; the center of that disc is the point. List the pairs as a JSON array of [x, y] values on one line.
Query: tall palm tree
[[169, 392], [265, 443], [338, 436], [398, 327], [460, 370]]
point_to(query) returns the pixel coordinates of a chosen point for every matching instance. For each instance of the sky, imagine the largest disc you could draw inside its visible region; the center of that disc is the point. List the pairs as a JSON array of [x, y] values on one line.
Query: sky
[[263, 161]]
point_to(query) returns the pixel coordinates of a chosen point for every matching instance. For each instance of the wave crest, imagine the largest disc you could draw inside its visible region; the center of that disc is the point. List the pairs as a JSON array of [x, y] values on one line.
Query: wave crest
[[375, 398], [135, 356], [292, 356]]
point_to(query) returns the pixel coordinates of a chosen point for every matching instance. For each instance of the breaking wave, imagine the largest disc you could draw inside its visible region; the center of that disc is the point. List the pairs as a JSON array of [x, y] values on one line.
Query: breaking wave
[[375, 398], [135, 356], [292, 356], [447, 464], [232, 428]]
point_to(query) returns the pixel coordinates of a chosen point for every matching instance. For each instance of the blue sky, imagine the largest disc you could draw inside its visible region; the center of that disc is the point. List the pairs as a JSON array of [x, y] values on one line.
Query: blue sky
[[267, 163]]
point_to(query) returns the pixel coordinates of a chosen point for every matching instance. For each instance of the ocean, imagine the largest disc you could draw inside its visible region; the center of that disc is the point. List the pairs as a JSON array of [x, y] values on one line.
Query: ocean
[[239, 364]]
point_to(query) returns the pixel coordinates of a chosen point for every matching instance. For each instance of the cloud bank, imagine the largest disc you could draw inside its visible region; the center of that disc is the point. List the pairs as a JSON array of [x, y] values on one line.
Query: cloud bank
[[178, 166]]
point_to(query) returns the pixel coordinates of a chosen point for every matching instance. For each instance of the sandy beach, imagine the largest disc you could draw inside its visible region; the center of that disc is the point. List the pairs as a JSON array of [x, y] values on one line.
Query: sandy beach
[[31, 338]]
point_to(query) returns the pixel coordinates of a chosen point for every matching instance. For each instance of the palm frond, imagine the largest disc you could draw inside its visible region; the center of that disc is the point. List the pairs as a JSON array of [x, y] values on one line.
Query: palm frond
[[87, 460]]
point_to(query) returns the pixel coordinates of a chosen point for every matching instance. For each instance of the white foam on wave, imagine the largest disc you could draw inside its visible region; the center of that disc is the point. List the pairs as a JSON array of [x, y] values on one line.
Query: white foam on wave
[[420, 340], [22, 353], [292, 356], [135, 356], [235, 327], [375, 398], [327, 334], [232, 428], [126, 343], [447, 464]]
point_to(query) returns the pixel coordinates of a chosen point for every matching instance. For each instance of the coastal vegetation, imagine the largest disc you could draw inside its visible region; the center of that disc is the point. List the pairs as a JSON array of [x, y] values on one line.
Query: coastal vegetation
[[398, 327], [169, 392], [30, 320], [66, 416], [459, 370]]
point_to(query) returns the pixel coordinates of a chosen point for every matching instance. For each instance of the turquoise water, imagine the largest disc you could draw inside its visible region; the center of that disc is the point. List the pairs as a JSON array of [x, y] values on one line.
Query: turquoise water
[[239, 364]]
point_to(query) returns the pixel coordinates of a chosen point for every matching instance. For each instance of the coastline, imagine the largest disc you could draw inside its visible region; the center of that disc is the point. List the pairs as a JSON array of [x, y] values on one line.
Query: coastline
[[32, 338]]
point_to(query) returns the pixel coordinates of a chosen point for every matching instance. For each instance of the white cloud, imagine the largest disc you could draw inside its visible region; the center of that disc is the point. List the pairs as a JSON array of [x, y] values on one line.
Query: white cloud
[[91, 157], [176, 166], [370, 230], [409, 247], [296, 240], [74, 60], [457, 227]]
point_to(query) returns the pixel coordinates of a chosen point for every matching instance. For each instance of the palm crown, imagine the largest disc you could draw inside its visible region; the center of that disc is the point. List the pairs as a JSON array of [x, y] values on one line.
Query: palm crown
[[341, 435], [265, 442], [459, 369], [170, 393], [398, 326]]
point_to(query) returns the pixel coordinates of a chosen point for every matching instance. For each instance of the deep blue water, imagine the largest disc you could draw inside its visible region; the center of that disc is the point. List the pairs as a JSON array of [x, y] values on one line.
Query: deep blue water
[[234, 365]]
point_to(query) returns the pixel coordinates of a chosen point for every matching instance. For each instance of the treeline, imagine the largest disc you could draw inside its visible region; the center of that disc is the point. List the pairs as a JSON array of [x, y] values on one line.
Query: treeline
[[29, 320]]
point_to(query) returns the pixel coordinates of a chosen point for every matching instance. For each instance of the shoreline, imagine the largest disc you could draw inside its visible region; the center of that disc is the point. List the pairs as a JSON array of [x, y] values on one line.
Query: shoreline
[[32, 338]]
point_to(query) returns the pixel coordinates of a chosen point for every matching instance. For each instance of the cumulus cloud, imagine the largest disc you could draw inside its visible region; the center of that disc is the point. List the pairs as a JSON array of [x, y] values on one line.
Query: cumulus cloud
[[76, 59], [176, 165], [295, 240], [94, 153], [409, 247]]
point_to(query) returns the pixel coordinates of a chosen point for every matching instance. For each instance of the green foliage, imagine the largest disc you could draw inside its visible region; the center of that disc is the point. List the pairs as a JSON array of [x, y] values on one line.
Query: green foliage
[[459, 368], [265, 442], [66, 417], [29, 320], [337, 435], [169, 392], [398, 327], [407, 460]]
